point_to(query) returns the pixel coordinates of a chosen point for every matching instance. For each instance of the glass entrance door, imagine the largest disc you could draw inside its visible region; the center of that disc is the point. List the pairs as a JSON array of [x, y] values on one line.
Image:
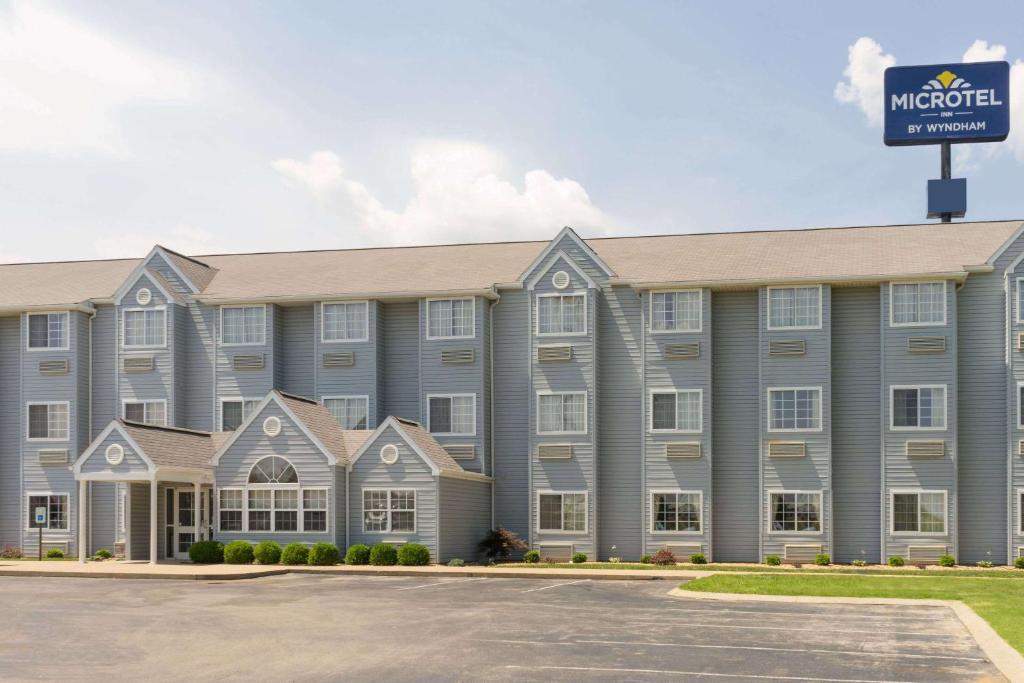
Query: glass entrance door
[[185, 522]]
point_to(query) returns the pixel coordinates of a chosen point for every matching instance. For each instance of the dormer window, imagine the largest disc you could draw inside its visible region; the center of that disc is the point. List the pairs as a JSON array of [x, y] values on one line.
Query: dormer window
[[561, 314]]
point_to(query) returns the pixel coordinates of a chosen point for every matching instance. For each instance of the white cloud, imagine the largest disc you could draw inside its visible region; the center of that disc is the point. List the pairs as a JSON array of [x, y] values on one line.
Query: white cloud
[[865, 70], [183, 239], [459, 194], [64, 84], [968, 158], [981, 51]]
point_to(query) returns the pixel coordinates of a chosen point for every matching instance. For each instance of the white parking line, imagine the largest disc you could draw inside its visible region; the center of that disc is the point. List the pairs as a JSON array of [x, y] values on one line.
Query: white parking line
[[703, 674], [554, 585], [691, 625], [929, 617], [443, 583]]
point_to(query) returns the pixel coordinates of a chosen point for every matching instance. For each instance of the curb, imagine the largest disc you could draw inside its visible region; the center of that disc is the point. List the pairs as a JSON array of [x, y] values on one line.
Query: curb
[[140, 575]]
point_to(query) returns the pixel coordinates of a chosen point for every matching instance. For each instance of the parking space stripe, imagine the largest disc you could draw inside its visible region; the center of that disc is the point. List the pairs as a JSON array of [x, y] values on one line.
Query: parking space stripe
[[555, 585], [929, 617], [442, 583], [704, 674], [789, 629]]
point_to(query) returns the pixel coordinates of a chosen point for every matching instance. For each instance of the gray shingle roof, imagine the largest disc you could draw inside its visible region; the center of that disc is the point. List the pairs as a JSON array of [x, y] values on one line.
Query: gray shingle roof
[[172, 447], [426, 442], [319, 421]]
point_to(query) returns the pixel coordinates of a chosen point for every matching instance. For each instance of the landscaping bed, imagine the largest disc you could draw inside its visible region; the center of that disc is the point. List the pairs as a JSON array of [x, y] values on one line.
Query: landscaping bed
[[873, 570]]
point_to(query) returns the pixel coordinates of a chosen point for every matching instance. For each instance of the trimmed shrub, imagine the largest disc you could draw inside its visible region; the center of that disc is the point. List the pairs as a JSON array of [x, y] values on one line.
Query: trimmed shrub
[[383, 555], [896, 561], [413, 555], [773, 560], [324, 554], [859, 563], [531, 556], [645, 559], [357, 554], [295, 553], [1019, 563], [206, 552], [10, 552], [54, 554], [822, 559], [663, 557], [456, 562], [238, 552], [104, 554], [947, 561], [698, 558], [267, 552], [500, 543], [579, 558], [984, 564]]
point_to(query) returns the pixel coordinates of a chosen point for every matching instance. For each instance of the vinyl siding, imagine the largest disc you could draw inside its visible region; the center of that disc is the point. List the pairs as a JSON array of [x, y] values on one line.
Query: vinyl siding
[[296, 352], [401, 366], [10, 431], [464, 514], [511, 412], [139, 512], [233, 383], [198, 410]]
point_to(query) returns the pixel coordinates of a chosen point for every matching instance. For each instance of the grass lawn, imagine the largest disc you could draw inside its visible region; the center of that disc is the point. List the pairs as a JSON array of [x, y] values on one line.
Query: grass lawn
[[995, 573], [1000, 602]]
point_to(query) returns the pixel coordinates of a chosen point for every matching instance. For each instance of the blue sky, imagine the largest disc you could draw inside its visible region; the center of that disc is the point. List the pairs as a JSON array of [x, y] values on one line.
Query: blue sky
[[245, 126]]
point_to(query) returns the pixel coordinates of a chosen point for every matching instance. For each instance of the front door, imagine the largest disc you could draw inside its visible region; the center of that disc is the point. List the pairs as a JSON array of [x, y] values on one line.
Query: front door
[[185, 522]]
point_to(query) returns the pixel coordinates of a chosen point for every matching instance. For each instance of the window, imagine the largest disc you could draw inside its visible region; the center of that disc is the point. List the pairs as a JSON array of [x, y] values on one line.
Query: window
[[345, 322], [350, 411], [453, 414], [1020, 405], [450, 318], [562, 314], [794, 308], [798, 512], [147, 412], [314, 509], [243, 324], [389, 510], [231, 509], [676, 411], [919, 512], [675, 511], [48, 331], [562, 413], [562, 511], [676, 311], [48, 421], [921, 407], [1020, 510], [144, 327], [917, 303], [56, 505], [792, 410], [273, 469], [235, 411], [1020, 299]]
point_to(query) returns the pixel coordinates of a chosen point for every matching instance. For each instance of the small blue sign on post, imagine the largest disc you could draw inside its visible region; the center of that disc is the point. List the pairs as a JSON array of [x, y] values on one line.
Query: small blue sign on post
[[928, 105]]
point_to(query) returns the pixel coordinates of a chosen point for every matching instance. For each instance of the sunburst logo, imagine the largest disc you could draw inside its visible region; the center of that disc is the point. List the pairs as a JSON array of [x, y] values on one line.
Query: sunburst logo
[[947, 80]]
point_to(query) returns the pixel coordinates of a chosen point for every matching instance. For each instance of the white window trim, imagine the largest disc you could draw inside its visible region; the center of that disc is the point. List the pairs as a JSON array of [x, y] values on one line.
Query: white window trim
[[430, 396], [389, 489], [586, 516], [300, 509], [768, 309], [945, 513], [66, 404], [1020, 408], [945, 408], [821, 415], [650, 508], [1017, 301], [124, 324], [47, 530], [216, 509], [700, 311], [220, 330], [945, 303], [125, 402], [233, 399], [586, 410], [1020, 512], [426, 316], [67, 330], [676, 392], [323, 328], [821, 512], [365, 397], [563, 293]]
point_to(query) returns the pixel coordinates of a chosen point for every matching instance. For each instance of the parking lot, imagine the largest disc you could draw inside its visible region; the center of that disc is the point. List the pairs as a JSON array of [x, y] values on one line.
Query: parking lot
[[356, 628]]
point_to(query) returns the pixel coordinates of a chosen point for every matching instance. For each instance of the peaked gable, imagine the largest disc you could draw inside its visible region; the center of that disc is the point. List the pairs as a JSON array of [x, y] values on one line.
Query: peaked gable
[[576, 251], [184, 270]]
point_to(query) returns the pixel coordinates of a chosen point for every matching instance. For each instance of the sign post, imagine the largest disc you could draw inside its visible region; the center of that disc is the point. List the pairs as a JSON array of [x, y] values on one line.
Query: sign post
[[40, 521]]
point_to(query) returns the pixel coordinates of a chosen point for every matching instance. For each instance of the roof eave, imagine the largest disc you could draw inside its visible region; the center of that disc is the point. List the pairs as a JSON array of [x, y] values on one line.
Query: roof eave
[[83, 307], [958, 275], [213, 300]]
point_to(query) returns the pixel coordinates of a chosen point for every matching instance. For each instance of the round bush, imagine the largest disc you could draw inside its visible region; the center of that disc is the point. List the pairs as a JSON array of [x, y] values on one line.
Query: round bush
[[984, 564], [698, 558], [531, 556], [238, 552], [1019, 563], [663, 557], [54, 553], [104, 554], [579, 558], [295, 553], [324, 554], [383, 555], [413, 555], [773, 560], [456, 562], [357, 554], [859, 563], [896, 561], [947, 561], [645, 559], [822, 559], [206, 552], [267, 552]]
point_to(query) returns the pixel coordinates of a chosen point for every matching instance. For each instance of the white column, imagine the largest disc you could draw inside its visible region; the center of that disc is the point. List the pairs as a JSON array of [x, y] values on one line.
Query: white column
[[153, 531], [83, 513], [197, 509]]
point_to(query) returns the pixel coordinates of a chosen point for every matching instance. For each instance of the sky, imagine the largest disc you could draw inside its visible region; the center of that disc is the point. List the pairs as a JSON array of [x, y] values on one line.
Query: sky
[[263, 126]]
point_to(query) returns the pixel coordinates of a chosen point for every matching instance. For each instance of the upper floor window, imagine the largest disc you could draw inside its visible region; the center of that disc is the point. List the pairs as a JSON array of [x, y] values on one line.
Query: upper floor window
[[452, 414], [450, 318], [349, 411], [144, 327], [562, 314], [235, 411], [564, 413], [48, 421], [56, 505], [345, 321], [676, 411], [676, 311], [792, 308], [918, 512], [922, 407], [793, 410], [146, 412], [48, 331], [796, 511], [243, 324], [917, 303], [1020, 299]]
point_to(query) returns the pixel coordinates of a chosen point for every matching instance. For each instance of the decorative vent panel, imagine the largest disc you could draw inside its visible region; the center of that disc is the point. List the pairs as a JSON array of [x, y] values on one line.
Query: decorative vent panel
[[1020, 341], [247, 361], [339, 359], [53, 456], [461, 451], [926, 344], [801, 552], [54, 367], [555, 552], [683, 449], [682, 551], [787, 347], [458, 356], [686, 351], [787, 449], [925, 554], [926, 448], [553, 353], [1020, 448], [554, 451], [138, 364]]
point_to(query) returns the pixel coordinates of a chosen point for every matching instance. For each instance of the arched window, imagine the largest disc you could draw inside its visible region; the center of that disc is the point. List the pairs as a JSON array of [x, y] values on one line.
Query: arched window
[[273, 470], [273, 502]]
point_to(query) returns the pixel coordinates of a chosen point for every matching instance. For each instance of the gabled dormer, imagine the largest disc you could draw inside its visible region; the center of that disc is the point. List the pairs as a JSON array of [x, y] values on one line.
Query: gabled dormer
[[180, 275], [569, 249]]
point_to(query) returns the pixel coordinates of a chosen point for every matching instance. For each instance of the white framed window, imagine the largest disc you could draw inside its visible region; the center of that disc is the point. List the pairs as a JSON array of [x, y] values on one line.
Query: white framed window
[[917, 511], [235, 411], [243, 325], [451, 414], [345, 321], [273, 502], [677, 311], [1020, 405], [451, 318], [144, 328], [1020, 511], [795, 512], [562, 314], [146, 412], [794, 308], [351, 412], [48, 331], [231, 509], [920, 407], [674, 512], [677, 411], [562, 413], [794, 409], [917, 303], [122, 510], [56, 505], [48, 421], [314, 509], [1019, 308], [562, 512], [389, 511]]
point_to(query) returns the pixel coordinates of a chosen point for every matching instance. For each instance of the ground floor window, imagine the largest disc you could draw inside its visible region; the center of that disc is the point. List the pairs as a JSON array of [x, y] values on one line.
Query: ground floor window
[[796, 511], [675, 511], [562, 511], [56, 505], [920, 512], [273, 509], [389, 510]]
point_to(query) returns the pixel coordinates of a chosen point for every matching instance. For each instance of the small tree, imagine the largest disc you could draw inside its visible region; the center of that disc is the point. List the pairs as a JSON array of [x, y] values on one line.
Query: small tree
[[500, 543]]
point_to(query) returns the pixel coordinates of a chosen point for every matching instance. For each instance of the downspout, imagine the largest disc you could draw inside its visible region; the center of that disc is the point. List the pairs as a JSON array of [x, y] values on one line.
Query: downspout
[[490, 401], [347, 496], [89, 431], [644, 496]]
